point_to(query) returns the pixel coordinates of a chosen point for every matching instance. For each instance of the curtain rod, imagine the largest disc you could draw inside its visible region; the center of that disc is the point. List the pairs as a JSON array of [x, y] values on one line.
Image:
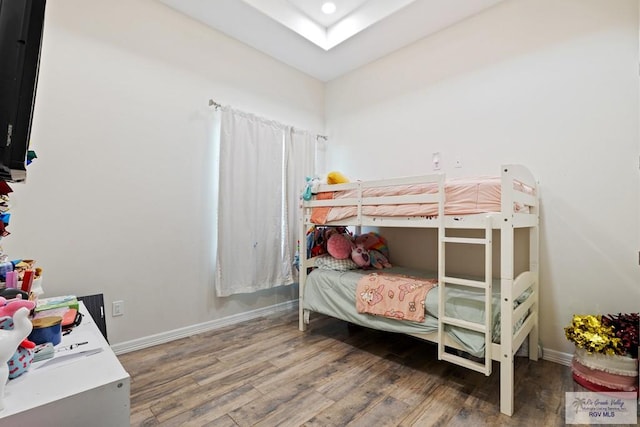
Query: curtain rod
[[214, 104]]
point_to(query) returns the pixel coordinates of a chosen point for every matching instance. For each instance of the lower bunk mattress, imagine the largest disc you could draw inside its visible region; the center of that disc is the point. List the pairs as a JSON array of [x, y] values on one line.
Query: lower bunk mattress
[[333, 293]]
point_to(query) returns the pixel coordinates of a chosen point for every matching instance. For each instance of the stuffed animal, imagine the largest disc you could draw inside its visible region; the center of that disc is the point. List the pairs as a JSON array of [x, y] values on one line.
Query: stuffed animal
[[317, 238], [315, 242], [339, 245], [311, 187], [378, 260], [373, 240], [366, 250], [376, 248], [10, 339], [360, 256], [23, 356], [9, 307], [336, 178]]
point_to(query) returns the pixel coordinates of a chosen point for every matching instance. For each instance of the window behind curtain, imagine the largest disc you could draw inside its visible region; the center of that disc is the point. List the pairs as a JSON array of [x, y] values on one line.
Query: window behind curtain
[[262, 165]]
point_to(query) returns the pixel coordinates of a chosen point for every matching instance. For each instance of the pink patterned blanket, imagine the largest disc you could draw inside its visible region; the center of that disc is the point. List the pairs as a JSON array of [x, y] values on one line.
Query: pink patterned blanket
[[394, 296]]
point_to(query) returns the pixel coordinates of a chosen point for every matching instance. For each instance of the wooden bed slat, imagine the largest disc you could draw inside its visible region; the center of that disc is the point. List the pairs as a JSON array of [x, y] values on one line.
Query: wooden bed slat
[[465, 240], [521, 334], [469, 364], [478, 327], [525, 199], [524, 281], [521, 310], [465, 282]]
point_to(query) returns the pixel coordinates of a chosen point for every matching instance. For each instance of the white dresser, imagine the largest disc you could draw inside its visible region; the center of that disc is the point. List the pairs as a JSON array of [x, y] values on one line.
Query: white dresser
[[86, 387]]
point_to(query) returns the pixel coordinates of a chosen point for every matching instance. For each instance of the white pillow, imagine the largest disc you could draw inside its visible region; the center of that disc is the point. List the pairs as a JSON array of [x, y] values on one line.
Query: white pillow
[[327, 262]]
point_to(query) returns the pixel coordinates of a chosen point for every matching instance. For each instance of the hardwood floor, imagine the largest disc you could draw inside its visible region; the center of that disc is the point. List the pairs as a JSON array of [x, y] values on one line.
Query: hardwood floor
[[267, 373]]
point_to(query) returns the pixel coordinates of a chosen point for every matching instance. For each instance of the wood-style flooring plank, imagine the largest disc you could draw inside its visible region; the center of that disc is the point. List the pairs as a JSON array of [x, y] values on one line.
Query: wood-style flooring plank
[[355, 399], [215, 411], [362, 367], [142, 417], [150, 394], [442, 403], [304, 369], [289, 406], [188, 398], [387, 412]]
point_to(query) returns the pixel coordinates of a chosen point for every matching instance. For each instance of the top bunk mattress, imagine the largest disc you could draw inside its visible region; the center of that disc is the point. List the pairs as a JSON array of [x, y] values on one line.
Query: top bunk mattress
[[463, 196]]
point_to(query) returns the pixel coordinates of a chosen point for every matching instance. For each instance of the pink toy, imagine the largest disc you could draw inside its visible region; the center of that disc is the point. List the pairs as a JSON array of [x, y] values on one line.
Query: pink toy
[[9, 307], [376, 247], [360, 256], [375, 241], [339, 246]]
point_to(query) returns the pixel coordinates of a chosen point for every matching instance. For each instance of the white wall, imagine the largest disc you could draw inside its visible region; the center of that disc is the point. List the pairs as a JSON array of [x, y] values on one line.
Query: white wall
[[546, 83], [118, 200]]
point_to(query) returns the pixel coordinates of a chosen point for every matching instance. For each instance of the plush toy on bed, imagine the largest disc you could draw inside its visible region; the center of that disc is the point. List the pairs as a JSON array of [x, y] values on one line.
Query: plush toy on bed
[[310, 188], [339, 245], [318, 237], [366, 250], [360, 256], [376, 247], [336, 178], [378, 260], [373, 240]]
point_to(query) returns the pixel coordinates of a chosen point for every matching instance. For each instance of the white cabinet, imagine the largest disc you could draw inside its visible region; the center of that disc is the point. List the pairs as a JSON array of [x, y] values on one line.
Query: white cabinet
[[88, 388]]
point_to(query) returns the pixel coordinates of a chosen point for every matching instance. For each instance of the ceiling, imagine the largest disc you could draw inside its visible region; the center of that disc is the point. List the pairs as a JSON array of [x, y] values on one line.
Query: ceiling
[[299, 34]]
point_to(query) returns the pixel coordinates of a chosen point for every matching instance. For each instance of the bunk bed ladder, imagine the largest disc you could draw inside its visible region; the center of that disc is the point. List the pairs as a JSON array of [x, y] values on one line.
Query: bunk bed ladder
[[444, 280]]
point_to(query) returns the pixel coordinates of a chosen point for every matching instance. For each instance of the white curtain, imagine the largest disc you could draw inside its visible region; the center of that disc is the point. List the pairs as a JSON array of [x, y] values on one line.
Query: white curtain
[[259, 164], [301, 149]]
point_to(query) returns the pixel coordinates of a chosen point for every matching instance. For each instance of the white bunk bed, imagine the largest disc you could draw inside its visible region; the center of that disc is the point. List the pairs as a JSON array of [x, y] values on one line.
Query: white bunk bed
[[517, 206]]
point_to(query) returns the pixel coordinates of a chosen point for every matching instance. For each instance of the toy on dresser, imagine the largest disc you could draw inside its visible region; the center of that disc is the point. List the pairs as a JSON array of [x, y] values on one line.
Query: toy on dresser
[[10, 339], [22, 357]]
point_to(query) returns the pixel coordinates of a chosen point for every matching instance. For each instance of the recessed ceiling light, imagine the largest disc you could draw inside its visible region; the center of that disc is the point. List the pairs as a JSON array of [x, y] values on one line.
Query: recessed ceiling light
[[328, 7]]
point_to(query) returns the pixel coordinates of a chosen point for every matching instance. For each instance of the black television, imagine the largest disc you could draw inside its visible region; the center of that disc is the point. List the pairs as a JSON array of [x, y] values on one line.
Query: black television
[[21, 25]]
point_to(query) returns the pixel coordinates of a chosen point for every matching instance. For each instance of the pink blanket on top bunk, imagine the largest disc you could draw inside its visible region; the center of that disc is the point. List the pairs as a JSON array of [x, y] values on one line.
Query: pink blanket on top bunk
[[464, 196], [394, 296]]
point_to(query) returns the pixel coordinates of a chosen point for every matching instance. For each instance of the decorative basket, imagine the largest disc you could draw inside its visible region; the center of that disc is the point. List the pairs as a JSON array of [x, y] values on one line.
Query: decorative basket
[[605, 372]]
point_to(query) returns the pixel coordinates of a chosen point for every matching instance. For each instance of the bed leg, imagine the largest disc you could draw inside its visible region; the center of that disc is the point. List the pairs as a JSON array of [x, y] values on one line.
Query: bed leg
[[303, 320], [533, 343], [506, 385], [302, 326]]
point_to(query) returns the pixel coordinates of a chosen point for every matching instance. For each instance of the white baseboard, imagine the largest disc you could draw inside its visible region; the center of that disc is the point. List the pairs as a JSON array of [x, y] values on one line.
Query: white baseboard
[[165, 337], [557, 357]]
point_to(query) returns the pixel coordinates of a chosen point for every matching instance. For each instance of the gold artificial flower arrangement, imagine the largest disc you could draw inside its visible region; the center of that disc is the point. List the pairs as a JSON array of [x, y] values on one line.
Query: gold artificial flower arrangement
[[611, 334]]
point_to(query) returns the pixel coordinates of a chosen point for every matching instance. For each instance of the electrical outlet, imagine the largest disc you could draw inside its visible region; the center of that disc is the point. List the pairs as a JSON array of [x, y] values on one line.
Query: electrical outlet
[[435, 160], [117, 308]]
